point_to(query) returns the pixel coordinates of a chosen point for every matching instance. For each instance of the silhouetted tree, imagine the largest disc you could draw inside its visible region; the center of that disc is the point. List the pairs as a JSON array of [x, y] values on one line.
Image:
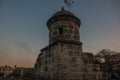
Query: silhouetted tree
[[103, 57], [28, 75], [1, 74], [16, 74]]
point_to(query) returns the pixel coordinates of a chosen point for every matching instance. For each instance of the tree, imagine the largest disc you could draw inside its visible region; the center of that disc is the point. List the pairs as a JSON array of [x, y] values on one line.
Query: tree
[[1, 74], [103, 55], [104, 58], [16, 73], [28, 75]]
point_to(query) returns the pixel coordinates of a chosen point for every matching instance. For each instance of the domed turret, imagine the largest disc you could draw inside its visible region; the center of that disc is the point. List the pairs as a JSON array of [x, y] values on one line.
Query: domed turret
[[63, 15], [63, 26]]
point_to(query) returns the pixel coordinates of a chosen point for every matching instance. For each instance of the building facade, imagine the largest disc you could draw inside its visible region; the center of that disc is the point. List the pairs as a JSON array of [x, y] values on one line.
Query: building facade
[[62, 59], [6, 70], [92, 70]]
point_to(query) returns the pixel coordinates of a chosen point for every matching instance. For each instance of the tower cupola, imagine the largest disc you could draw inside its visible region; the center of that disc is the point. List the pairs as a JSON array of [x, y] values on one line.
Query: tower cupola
[[63, 26], [63, 15]]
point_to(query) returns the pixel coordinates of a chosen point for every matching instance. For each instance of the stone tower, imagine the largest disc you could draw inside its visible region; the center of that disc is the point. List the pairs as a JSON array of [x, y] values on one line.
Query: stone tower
[[62, 59], [63, 26]]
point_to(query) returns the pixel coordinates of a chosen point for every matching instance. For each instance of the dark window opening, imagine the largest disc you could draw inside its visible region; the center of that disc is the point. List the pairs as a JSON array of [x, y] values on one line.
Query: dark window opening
[[60, 31]]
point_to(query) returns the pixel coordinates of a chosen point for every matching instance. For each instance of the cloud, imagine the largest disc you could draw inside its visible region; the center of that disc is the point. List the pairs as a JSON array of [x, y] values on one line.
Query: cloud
[[23, 47], [5, 55], [4, 52], [16, 53]]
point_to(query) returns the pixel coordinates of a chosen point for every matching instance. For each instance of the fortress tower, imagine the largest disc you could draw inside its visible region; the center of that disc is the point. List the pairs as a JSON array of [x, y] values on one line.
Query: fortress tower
[[62, 59]]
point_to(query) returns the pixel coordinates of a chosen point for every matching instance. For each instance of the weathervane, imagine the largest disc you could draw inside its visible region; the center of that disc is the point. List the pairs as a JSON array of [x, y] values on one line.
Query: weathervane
[[68, 3]]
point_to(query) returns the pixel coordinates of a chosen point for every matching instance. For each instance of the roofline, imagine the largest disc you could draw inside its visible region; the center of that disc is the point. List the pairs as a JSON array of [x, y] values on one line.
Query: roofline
[[59, 41], [63, 17]]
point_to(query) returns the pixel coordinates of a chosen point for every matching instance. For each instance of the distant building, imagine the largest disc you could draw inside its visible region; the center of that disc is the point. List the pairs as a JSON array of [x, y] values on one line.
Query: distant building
[[6, 70], [63, 58], [23, 73], [22, 70]]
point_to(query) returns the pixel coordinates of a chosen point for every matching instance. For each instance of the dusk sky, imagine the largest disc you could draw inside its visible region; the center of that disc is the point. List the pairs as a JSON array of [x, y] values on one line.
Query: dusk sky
[[23, 29]]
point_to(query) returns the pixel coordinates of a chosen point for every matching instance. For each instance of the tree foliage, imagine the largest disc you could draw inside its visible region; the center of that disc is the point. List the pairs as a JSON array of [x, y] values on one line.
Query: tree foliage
[[16, 73], [1, 74], [103, 55], [28, 75]]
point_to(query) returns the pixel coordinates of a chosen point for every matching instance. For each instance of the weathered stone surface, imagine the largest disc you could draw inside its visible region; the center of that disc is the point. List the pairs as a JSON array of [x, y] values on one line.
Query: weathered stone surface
[[62, 59]]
